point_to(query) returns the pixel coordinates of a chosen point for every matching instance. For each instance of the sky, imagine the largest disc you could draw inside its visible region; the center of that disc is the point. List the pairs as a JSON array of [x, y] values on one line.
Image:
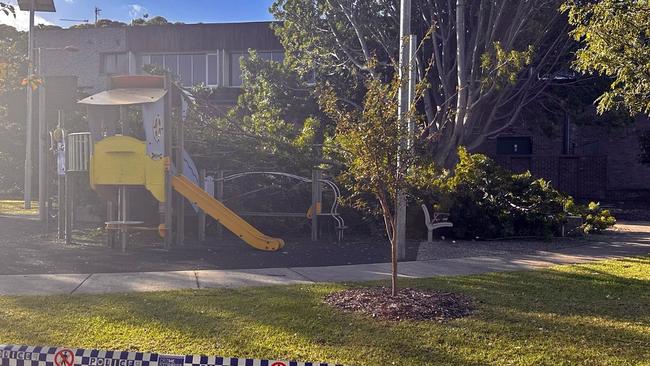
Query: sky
[[186, 11]]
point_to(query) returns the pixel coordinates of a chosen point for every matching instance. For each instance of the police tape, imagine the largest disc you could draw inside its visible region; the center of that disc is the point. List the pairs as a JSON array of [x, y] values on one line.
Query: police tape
[[11, 355]]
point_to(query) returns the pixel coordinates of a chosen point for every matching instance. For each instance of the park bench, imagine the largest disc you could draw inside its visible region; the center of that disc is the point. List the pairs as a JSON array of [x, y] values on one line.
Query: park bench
[[439, 220]]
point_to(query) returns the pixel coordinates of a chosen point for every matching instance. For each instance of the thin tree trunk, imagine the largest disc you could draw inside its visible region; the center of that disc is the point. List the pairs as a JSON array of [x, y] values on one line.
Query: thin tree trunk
[[461, 31], [389, 222], [393, 259], [393, 277]]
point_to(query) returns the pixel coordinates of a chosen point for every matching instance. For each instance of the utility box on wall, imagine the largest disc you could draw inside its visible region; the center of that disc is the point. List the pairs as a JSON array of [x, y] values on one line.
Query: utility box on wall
[[514, 146]]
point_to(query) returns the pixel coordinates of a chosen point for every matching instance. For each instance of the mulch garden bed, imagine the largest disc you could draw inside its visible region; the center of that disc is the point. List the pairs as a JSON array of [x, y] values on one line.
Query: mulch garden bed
[[409, 304]]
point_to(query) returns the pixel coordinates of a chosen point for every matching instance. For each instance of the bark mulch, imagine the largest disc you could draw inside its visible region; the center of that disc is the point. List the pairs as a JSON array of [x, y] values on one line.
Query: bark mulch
[[409, 304]]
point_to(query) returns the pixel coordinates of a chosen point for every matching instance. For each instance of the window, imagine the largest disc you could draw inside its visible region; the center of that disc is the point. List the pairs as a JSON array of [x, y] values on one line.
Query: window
[[514, 146], [210, 69], [114, 63], [213, 70], [185, 69], [158, 60], [278, 57], [198, 70], [191, 69], [235, 68], [171, 63]]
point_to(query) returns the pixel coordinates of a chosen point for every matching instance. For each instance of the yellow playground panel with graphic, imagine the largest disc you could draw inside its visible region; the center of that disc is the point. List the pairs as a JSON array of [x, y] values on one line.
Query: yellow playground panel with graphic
[[123, 160]]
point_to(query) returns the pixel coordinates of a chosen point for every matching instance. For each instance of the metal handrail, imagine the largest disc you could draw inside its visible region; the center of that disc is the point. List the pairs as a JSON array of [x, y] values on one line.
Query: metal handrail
[[335, 189]]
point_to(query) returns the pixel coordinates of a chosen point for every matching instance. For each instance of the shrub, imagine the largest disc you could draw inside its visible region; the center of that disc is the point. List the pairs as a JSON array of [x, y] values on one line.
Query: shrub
[[488, 201], [595, 219]]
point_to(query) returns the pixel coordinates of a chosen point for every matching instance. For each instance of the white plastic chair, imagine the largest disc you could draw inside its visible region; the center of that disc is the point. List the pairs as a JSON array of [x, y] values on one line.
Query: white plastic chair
[[439, 220]]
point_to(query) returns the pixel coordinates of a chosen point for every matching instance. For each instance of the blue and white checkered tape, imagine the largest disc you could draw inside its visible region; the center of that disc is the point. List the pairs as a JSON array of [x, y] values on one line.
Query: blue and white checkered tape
[[11, 355]]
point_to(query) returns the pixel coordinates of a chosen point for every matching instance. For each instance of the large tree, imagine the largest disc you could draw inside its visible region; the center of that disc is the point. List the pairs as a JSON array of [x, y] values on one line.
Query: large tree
[[276, 124], [615, 35], [485, 61], [13, 65]]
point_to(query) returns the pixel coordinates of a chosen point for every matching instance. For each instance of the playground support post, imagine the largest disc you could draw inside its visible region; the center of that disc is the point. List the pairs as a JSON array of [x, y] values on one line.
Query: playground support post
[[169, 203], [219, 194], [30, 112], [61, 193], [42, 142], [123, 125], [180, 200], [110, 215], [315, 202], [68, 223], [69, 206], [61, 212], [124, 206], [201, 235]]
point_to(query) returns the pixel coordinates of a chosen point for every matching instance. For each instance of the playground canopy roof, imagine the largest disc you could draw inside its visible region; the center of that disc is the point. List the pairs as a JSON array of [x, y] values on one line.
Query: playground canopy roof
[[118, 97]]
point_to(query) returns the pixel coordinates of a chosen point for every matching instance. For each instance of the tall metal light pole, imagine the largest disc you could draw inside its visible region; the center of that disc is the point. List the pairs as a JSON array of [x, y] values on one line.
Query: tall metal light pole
[[42, 142], [30, 106], [32, 6], [405, 96]]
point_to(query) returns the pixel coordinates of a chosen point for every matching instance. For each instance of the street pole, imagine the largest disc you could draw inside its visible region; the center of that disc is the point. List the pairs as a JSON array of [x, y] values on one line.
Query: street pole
[[27, 190], [42, 139], [42, 142], [403, 108]]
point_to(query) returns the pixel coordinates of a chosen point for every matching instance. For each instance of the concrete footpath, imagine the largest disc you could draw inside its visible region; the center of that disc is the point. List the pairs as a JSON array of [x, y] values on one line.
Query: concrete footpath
[[97, 283]]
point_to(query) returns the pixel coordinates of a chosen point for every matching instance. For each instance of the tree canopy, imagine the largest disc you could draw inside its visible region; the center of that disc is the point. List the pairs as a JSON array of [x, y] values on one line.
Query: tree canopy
[[484, 61], [274, 125], [13, 66], [615, 39]]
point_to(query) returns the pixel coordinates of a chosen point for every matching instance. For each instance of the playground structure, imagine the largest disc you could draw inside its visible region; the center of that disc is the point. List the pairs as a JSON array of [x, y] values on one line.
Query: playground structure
[[115, 161]]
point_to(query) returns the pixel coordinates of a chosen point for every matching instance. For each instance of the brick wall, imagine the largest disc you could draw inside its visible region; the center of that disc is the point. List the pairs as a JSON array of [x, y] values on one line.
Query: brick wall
[[602, 163], [627, 179], [580, 176]]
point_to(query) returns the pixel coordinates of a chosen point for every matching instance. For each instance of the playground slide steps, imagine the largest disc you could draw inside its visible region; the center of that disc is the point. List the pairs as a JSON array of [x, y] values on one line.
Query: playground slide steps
[[225, 216]]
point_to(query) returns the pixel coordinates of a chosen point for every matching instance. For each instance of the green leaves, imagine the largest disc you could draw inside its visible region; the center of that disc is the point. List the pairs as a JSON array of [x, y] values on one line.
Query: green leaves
[[276, 124], [370, 139], [615, 35], [488, 201], [501, 67], [13, 58]]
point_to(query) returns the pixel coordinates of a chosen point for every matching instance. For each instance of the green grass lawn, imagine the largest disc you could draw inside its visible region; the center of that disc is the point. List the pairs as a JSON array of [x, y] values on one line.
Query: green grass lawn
[[16, 207], [597, 314]]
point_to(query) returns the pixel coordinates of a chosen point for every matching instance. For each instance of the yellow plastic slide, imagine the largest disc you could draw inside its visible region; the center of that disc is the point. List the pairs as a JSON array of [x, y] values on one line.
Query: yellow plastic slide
[[225, 216]]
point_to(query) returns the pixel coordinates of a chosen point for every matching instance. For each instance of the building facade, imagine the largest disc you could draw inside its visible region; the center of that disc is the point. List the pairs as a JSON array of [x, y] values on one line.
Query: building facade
[[590, 162], [199, 54]]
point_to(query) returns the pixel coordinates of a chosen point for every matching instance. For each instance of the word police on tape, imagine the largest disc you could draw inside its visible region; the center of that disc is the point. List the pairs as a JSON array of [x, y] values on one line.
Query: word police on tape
[[52, 356]]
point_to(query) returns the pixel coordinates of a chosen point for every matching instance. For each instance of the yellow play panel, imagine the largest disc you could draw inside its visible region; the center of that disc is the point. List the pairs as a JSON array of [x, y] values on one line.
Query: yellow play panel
[[123, 160]]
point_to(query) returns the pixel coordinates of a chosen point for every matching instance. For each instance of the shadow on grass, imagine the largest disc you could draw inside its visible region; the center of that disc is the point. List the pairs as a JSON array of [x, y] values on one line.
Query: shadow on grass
[[593, 312]]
